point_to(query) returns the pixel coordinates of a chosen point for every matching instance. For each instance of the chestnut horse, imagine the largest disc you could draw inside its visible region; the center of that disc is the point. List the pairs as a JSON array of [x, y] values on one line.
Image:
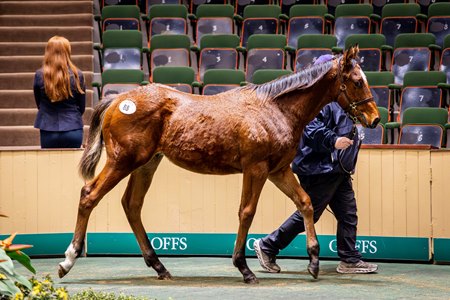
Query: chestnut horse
[[252, 130]]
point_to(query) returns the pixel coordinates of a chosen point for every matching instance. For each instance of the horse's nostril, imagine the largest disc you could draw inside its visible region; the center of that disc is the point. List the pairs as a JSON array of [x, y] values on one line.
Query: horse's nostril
[[375, 122]]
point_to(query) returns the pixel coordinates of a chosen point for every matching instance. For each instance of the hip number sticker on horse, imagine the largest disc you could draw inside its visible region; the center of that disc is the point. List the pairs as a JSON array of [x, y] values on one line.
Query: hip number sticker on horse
[[127, 107]]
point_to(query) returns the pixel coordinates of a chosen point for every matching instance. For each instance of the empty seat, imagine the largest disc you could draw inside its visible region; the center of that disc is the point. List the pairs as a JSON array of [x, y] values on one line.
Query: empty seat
[[119, 17], [379, 86], [185, 77], [420, 89], [378, 4], [412, 52], [170, 50], [305, 19], [424, 126], [266, 75], [371, 54], [310, 47], [195, 4], [119, 81], [118, 2], [425, 5], [439, 21], [147, 4], [259, 19], [398, 18], [167, 19], [217, 81], [264, 51], [444, 65], [213, 19], [218, 52], [286, 5], [240, 5], [351, 19], [120, 49], [333, 4]]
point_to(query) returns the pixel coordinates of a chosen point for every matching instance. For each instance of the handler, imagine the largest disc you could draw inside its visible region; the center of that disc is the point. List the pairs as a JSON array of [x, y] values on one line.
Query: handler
[[324, 163]]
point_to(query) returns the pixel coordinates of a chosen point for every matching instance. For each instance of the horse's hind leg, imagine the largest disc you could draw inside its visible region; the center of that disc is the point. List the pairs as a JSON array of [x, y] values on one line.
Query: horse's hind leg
[[91, 194], [286, 182], [254, 179], [132, 202]]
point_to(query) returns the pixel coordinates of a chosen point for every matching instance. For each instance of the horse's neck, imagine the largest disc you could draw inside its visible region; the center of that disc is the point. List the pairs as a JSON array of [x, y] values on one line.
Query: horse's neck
[[303, 106]]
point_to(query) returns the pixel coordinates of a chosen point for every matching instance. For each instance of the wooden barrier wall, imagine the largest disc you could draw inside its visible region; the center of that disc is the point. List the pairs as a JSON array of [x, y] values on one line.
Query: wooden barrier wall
[[400, 193]]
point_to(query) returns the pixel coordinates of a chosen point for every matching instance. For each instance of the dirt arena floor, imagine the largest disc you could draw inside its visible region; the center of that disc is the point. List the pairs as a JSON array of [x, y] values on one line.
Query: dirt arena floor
[[216, 278]]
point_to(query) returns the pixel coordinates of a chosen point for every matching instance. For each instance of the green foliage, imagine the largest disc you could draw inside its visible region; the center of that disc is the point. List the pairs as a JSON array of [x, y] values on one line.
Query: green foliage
[[8, 276], [92, 295], [42, 290]]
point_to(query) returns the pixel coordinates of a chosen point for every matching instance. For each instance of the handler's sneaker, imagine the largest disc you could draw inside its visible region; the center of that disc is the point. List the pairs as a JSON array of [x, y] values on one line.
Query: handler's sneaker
[[360, 267], [266, 261]]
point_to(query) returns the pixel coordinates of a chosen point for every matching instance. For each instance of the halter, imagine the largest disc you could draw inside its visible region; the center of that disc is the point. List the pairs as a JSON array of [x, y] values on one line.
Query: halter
[[351, 108]]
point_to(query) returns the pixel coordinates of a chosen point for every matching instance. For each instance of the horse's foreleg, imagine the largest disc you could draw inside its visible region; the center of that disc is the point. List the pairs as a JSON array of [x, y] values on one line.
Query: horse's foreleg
[[254, 179], [132, 202], [91, 194], [286, 182]]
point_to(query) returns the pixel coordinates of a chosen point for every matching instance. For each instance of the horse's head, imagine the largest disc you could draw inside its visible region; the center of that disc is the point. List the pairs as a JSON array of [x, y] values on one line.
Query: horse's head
[[354, 95]]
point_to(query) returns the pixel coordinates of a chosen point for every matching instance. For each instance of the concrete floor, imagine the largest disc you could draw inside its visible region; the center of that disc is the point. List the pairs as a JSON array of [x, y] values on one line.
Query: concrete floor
[[216, 278]]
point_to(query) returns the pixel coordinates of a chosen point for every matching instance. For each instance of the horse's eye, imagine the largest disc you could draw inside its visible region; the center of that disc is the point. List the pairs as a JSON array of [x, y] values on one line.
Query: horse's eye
[[359, 84]]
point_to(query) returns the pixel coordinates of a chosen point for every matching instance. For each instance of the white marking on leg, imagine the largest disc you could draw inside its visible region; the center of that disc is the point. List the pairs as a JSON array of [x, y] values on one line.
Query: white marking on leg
[[71, 256]]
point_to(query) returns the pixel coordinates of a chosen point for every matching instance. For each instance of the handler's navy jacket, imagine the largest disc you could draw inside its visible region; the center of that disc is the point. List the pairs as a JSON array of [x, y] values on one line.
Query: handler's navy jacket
[[316, 153], [62, 115]]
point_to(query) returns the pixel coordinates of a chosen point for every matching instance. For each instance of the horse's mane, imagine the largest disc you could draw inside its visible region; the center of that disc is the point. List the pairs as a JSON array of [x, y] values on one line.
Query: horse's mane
[[300, 80]]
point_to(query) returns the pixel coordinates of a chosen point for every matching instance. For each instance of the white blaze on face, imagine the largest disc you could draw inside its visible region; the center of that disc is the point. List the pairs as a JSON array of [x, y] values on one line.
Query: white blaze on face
[[71, 256], [363, 76]]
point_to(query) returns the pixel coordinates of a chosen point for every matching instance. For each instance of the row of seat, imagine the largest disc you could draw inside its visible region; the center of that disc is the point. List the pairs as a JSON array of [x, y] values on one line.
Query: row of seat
[[302, 19], [122, 49], [239, 5]]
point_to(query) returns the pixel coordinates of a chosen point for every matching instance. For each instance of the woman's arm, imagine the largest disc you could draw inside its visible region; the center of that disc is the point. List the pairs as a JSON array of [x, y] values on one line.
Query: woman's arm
[[37, 89], [81, 98]]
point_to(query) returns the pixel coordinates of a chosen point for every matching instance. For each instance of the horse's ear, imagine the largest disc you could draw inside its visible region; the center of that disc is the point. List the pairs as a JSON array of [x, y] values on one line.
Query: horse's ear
[[350, 55]]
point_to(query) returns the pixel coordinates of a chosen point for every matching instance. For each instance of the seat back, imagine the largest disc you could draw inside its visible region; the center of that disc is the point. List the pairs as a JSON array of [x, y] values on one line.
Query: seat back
[[370, 54], [170, 50], [310, 47], [286, 5], [217, 81], [305, 19], [420, 90], [444, 64], [120, 81], [168, 19], [150, 3], [411, 54], [195, 4], [122, 49], [182, 81], [333, 4], [378, 4], [351, 19], [378, 83], [439, 21], [116, 2], [214, 19], [266, 75], [265, 51], [371, 136], [425, 134], [218, 52], [120, 17], [240, 5], [259, 19], [426, 4], [398, 18]]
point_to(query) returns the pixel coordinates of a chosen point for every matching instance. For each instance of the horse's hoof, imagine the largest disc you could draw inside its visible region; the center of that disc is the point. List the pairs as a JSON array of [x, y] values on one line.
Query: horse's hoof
[[313, 270], [165, 276], [61, 271], [251, 280]]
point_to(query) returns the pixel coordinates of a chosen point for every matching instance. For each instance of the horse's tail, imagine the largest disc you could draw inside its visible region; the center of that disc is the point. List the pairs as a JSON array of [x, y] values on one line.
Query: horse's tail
[[94, 146]]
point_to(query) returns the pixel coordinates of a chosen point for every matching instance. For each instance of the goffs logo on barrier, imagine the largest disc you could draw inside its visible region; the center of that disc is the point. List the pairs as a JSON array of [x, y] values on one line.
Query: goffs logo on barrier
[[363, 246]]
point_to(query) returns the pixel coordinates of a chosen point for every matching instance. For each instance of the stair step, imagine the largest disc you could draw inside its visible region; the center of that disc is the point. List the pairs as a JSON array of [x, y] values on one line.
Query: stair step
[[45, 7], [27, 116], [38, 48], [46, 20], [43, 34], [25, 98], [20, 64], [23, 81]]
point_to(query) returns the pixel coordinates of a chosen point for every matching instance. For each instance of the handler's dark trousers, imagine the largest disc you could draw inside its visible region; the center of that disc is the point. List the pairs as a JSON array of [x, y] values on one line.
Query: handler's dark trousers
[[335, 190]]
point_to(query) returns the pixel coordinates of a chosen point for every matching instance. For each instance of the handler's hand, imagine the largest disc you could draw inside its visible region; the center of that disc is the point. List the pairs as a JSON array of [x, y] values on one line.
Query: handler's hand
[[343, 143]]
